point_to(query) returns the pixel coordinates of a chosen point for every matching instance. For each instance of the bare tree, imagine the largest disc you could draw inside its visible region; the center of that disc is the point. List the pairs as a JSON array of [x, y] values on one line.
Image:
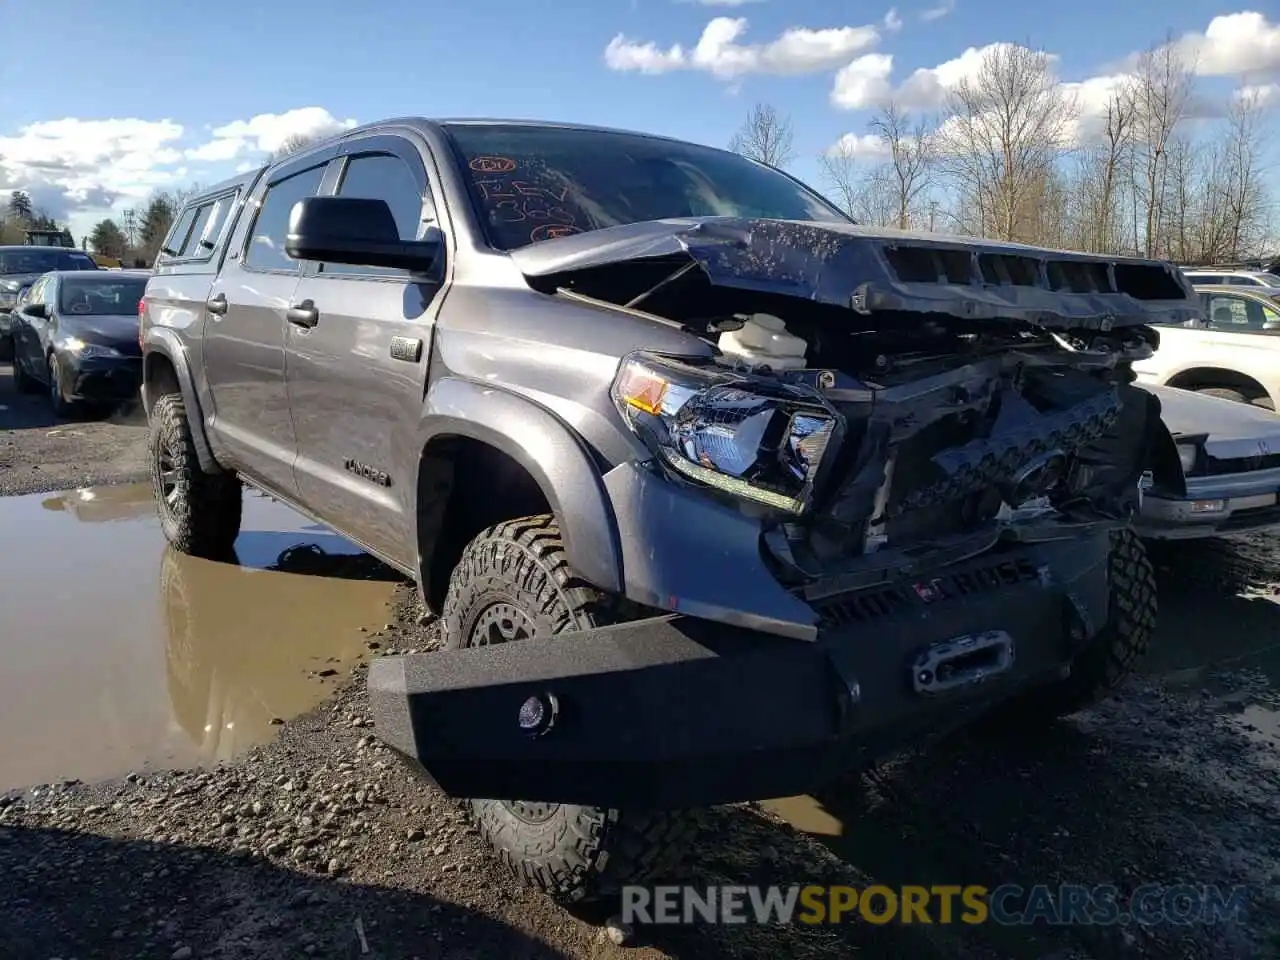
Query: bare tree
[[766, 136], [293, 143], [1243, 193], [1005, 129], [911, 149], [866, 196], [1162, 85], [1102, 165]]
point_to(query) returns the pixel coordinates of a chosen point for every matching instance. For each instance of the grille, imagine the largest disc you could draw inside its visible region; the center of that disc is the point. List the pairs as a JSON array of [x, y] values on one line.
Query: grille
[[1215, 467]]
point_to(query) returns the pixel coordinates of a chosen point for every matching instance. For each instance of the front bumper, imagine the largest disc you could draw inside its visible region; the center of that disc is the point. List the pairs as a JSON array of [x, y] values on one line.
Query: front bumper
[[1213, 506], [676, 712], [100, 378]]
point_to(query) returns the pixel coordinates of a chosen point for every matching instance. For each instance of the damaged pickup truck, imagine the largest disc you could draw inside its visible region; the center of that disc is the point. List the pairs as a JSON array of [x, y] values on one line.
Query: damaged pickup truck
[[717, 494]]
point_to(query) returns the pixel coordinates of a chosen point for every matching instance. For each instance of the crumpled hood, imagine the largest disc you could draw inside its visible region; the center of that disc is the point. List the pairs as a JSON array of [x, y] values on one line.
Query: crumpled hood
[[874, 270], [1234, 429]]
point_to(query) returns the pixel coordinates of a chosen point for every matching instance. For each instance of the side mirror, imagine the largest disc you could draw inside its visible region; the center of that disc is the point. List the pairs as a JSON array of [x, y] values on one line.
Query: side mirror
[[37, 310], [355, 231]]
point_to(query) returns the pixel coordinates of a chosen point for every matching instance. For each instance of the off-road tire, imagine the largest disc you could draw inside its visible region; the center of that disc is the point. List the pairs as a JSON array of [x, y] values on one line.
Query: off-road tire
[[1224, 393], [1112, 654], [23, 382], [199, 512], [575, 854]]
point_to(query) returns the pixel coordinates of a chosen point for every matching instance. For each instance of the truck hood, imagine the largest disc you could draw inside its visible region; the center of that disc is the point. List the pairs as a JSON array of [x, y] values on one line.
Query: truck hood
[[874, 271], [1233, 429]]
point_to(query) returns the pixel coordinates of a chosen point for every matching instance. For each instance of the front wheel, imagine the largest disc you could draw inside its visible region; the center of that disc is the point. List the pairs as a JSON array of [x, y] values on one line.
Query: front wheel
[[23, 382], [513, 583], [199, 512], [62, 407], [1112, 653]]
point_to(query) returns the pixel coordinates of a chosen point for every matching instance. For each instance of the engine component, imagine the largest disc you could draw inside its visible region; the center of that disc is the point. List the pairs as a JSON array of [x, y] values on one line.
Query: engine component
[[763, 341]]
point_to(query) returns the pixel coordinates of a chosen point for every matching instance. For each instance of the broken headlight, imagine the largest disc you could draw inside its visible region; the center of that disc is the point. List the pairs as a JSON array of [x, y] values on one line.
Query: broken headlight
[[760, 440]]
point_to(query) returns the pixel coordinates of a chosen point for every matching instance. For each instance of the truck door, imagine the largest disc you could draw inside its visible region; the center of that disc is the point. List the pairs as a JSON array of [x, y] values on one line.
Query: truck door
[[357, 358], [244, 349]]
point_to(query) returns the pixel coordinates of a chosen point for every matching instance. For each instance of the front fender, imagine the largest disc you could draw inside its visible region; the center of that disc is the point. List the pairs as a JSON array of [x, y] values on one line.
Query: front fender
[[163, 341], [552, 454]]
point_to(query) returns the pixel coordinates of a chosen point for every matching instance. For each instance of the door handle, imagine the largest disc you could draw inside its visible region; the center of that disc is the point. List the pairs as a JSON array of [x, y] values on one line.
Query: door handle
[[303, 314], [217, 305]]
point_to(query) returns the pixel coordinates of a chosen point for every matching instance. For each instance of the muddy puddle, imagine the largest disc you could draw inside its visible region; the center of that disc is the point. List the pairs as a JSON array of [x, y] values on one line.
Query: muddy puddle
[[121, 654]]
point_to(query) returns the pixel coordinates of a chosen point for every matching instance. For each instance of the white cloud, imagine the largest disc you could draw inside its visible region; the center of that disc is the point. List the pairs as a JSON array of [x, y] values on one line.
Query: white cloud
[[938, 12], [863, 82], [268, 132], [859, 145], [797, 50], [72, 164], [1236, 44], [1263, 95], [892, 22]]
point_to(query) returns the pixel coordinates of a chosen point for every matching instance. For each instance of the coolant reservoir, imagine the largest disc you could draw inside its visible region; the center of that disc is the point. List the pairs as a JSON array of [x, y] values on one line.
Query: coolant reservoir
[[762, 340]]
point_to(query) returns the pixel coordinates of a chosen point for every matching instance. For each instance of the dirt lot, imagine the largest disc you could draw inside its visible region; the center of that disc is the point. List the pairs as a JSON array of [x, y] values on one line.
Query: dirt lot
[[321, 843], [39, 453]]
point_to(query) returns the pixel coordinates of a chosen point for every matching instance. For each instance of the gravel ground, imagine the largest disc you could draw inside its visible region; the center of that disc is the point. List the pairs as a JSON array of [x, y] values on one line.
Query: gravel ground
[[39, 453], [323, 843]]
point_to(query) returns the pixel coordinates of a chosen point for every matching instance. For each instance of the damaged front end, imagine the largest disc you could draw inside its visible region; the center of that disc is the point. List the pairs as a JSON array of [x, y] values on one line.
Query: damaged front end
[[931, 442], [962, 394]]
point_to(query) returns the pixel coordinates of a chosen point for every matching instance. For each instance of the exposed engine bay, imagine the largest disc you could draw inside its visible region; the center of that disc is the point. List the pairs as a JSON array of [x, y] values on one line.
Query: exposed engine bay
[[908, 416]]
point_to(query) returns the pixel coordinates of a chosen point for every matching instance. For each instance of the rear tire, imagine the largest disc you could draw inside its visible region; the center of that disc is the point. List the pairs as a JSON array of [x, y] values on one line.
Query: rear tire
[[199, 512], [1112, 654], [1225, 393], [512, 583]]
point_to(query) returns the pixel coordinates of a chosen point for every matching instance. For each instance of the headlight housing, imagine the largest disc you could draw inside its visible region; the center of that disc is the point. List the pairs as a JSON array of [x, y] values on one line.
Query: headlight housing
[[82, 349], [762, 440]]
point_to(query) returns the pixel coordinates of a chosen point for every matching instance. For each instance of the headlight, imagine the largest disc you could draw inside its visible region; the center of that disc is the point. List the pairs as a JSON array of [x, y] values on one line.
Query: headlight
[[759, 440], [1187, 453], [77, 346]]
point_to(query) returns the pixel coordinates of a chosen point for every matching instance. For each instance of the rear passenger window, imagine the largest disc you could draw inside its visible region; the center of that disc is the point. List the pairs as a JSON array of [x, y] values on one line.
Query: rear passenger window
[[177, 237], [213, 229], [266, 243], [384, 177]]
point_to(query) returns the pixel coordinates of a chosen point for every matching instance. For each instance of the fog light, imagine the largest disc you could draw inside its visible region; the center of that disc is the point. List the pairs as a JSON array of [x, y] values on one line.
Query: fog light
[[1208, 506], [538, 714]]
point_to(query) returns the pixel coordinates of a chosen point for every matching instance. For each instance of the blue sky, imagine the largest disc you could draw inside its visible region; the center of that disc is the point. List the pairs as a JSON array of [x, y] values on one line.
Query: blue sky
[[124, 76]]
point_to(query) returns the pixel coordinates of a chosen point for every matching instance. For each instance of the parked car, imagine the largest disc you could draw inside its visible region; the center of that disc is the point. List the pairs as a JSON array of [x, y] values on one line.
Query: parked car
[[76, 337], [1230, 351], [717, 494], [1208, 276], [1230, 456], [20, 266]]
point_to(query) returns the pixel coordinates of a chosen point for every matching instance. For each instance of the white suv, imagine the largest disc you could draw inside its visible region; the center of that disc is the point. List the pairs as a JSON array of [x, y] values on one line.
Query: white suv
[[1242, 278]]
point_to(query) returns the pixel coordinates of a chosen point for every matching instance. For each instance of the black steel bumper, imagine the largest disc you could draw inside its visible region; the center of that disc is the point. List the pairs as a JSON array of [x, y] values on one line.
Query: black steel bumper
[[680, 712], [101, 378]]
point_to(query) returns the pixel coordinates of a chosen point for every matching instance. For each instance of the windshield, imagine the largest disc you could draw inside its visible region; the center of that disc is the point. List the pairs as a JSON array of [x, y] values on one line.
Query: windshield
[[1269, 279], [532, 183], [44, 260], [114, 296]]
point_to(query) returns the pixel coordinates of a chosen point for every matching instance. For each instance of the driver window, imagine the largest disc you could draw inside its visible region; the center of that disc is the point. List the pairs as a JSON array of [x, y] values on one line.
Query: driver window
[[382, 176], [1235, 314]]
